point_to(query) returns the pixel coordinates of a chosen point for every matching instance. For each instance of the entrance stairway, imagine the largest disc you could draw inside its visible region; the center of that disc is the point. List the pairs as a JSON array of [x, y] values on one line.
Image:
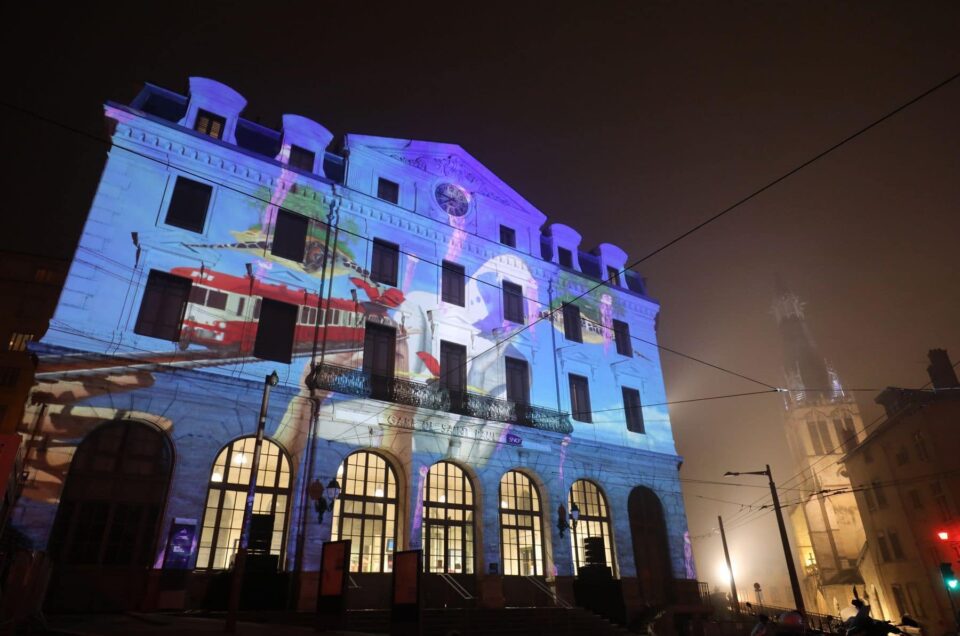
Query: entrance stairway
[[532, 621]]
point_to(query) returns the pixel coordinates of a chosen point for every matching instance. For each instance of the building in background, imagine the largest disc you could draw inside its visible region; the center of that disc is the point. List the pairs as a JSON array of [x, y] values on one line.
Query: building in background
[[403, 293], [822, 423], [907, 482]]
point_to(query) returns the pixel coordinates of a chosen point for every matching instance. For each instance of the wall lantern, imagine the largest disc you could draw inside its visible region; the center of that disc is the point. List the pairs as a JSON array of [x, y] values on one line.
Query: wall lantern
[[323, 500]]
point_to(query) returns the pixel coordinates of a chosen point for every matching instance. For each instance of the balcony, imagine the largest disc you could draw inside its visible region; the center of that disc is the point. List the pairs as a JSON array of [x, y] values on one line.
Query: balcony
[[329, 377]]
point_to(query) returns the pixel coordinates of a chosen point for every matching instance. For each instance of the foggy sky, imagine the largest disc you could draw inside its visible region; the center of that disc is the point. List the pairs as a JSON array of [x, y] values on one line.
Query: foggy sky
[[630, 123]]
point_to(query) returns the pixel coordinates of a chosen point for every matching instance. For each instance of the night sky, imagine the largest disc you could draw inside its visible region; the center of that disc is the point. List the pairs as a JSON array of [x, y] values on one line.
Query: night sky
[[631, 124]]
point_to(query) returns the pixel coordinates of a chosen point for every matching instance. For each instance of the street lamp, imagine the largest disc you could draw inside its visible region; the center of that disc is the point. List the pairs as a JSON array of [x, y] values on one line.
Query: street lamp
[[240, 563], [320, 503], [574, 516], [787, 553]]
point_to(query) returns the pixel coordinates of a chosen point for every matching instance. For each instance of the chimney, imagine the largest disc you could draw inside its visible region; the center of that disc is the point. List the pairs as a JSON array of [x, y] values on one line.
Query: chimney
[[941, 372]]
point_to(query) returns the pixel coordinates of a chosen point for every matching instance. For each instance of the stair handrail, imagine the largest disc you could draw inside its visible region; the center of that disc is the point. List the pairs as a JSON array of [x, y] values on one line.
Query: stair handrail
[[459, 589], [549, 591], [351, 583]]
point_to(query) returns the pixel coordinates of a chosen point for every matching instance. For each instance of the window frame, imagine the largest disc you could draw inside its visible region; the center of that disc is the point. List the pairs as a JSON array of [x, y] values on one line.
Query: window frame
[[633, 412], [565, 257], [286, 228], [586, 501], [275, 306], [211, 119], [621, 338], [510, 522], [367, 503], [522, 368], [453, 283], [448, 511], [183, 185], [513, 302], [146, 318], [387, 186], [572, 329], [384, 262], [577, 411], [299, 156], [508, 236]]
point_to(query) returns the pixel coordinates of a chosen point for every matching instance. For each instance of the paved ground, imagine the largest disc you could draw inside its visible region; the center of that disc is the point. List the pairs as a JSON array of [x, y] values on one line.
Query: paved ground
[[151, 624]]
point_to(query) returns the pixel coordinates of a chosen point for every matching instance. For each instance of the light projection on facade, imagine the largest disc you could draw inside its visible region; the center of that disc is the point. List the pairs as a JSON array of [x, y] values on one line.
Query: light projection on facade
[[419, 361]]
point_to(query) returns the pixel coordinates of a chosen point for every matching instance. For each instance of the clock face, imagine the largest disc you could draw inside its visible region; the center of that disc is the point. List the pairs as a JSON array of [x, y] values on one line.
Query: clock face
[[452, 198]]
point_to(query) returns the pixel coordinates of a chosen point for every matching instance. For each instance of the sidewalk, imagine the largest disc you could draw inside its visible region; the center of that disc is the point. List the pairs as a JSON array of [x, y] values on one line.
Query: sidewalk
[[149, 624]]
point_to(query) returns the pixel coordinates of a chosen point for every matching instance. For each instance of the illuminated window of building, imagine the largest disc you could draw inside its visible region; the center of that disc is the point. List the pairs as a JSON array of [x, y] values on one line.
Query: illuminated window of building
[[521, 538], [163, 305], [366, 511], [594, 521], [19, 341], [227, 495], [301, 158], [210, 124], [448, 519], [113, 497], [613, 276]]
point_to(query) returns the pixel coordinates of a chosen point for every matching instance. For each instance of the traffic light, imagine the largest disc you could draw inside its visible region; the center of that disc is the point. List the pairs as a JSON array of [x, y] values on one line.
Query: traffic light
[[949, 578]]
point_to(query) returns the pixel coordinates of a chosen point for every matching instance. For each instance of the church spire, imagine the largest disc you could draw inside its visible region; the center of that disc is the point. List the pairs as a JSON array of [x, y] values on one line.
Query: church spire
[[807, 375]]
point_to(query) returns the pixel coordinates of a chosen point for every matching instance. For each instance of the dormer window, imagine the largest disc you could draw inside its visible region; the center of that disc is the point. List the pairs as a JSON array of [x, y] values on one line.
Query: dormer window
[[565, 257], [508, 236], [388, 190], [301, 158], [613, 276], [210, 124]]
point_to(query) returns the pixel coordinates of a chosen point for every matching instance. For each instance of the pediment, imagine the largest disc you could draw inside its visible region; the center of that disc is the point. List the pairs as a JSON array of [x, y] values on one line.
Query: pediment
[[449, 161]]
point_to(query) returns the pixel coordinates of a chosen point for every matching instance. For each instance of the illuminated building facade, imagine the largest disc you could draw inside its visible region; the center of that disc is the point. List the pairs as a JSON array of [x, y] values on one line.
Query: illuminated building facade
[[822, 423], [402, 292], [909, 498]]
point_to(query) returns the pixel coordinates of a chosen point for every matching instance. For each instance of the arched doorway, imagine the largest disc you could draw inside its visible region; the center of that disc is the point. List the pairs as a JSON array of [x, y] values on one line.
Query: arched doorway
[[366, 511], [593, 522], [448, 520], [651, 548], [521, 537], [104, 538]]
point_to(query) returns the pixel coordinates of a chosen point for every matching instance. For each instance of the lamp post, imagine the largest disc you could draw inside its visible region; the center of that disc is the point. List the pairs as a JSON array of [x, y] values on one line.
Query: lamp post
[[240, 562], [791, 568], [320, 503]]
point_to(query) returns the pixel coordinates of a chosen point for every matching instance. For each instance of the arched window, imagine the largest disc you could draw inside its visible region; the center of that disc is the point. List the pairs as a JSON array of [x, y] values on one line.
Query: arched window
[[227, 496], [448, 520], [594, 522], [521, 538], [110, 509], [366, 511]]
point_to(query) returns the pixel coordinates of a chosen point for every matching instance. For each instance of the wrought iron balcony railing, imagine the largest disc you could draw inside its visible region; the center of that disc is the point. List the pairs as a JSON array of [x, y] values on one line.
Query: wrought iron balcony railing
[[329, 377]]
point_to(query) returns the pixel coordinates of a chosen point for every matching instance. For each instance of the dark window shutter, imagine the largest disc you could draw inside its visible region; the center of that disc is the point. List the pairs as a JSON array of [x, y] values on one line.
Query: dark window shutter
[[565, 257], [163, 305], [290, 235], [275, 331], [571, 323], [621, 333], [453, 284], [384, 262], [388, 190], [580, 398], [518, 381], [508, 236], [188, 205], [453, 366], [512, 302], [301, 158], [633, 410]]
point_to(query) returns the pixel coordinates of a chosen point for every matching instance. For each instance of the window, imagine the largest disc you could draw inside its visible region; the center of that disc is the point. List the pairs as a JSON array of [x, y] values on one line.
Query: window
[[453, 284], [448, 520], [594, 522], [188, 204], [388, 190], [508, 236], [884, 548], [163, 305], [518, 381], [116, 488], [900, 599], [633, 410], [878, 491], [571, 323], [453, 370], [916, 600], [820, 436], [208, 297], [19, 341], [870, 499], [290, 235], [210, 124], [301, 158], [227, 496], [940, 498], [920, 445], [896, 547], [580, 398], [915, 499], [621, 335], [379, 355], [902, 456], [846, 434], [867, 456], [366, 511], [613, 276], [385, 262], [521, 537], [512, 302], [275, 331], [565, 257]]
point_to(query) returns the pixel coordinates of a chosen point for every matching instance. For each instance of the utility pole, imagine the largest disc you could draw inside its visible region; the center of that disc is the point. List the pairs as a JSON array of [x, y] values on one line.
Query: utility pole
[[240, 561], [726, 555], [787, 552]]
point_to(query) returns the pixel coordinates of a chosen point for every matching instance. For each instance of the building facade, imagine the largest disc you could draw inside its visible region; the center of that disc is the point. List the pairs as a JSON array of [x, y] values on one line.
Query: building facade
[[908, 491], [822, 423], [405, 297]]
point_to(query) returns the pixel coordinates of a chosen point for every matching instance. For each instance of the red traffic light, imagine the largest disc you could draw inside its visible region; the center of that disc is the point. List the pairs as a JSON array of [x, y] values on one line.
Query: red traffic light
[[943, 535]]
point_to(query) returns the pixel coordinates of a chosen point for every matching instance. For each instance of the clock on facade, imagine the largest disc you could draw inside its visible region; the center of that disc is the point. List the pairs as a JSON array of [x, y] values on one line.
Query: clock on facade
[[452, 198]]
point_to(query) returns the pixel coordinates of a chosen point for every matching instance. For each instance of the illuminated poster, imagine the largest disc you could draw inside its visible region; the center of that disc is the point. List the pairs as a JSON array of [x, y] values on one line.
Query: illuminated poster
[[333, 568], [180, 544], [406, 579]]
